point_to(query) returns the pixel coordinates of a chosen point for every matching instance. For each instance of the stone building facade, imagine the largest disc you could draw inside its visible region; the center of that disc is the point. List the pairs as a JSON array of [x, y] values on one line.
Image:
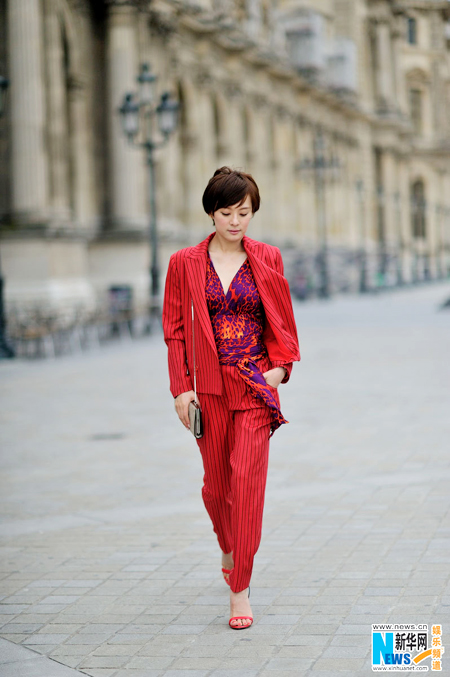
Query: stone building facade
[[339, 108]]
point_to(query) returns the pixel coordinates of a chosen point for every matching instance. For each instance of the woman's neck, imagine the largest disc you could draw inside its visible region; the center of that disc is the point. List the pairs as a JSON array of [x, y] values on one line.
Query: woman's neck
[[219, 244]]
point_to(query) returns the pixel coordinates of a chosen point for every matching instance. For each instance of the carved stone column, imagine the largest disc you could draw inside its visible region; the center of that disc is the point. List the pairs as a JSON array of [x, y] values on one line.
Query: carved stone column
[[58, 137], [126, 164], [27, 102]]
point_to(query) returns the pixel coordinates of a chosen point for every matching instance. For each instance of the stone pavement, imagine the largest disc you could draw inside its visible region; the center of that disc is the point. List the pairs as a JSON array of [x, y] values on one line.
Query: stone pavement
[[109, 565]]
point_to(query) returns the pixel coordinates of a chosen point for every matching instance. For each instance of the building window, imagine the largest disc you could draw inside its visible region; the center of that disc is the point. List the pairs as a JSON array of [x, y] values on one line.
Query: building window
[[418, 208], [415, 107], [411, 30]]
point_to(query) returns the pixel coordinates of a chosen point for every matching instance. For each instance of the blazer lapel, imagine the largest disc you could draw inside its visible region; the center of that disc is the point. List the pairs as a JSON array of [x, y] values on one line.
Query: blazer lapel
[[265, 278], [196, 275]]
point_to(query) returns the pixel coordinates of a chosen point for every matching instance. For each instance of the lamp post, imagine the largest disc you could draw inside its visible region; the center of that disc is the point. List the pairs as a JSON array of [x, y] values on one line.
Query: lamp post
[[318, 166], [446, 217], [363, 253], [382, 253], [426, 240], [6, 351], [439, 241], [4, 84], [137, 113], [419, 211], [398, 210], [414, 228]]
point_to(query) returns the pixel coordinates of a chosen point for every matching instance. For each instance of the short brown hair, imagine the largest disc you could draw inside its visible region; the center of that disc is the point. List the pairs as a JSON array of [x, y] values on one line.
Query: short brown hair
[[228, 187]]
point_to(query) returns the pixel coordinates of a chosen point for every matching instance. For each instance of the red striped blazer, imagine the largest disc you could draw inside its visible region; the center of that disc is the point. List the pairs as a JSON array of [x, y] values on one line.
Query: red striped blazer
[[186, 279]]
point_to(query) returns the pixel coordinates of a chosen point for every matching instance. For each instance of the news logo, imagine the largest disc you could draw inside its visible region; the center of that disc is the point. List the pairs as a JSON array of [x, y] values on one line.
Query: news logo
[[403, 647]]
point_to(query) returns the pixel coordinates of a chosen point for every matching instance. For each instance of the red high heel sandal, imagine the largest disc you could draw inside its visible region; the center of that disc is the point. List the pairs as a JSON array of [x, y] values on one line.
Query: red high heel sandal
[[226, 572], [238, 618]]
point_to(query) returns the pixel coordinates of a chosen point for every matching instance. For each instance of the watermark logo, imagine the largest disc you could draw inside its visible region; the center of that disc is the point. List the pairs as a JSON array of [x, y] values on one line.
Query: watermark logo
[[401, 647]]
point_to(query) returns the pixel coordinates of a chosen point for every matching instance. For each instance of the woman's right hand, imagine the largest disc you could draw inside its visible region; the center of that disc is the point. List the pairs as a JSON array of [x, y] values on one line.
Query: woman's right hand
[[182, 406]]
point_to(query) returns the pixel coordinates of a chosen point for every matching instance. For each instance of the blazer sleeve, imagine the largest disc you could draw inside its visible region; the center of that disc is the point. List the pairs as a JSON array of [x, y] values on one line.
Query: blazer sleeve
[[279, 267], [173, 328]]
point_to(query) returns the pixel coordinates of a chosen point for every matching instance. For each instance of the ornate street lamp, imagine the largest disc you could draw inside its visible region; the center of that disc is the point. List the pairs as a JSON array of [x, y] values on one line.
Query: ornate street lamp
[[138, 112], [5, 350], [167, 112], [147, 85], [130, 117]]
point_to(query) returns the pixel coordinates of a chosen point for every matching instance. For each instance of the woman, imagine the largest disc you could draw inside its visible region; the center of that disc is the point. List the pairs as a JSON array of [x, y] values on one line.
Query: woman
[[245, 344]]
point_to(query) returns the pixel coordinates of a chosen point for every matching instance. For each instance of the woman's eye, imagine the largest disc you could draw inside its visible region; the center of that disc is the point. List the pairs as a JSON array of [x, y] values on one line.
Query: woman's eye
[[228, 214]]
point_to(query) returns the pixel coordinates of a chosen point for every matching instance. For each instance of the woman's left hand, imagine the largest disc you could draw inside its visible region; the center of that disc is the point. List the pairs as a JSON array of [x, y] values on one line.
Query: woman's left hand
[[274, 376]]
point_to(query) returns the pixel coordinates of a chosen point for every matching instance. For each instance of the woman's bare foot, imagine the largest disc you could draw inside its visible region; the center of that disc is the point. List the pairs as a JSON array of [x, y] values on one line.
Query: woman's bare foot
[[240, 606], [227, 563]]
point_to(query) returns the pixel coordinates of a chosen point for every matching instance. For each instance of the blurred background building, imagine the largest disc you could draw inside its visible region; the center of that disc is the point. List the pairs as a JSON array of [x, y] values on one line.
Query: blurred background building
[[339, 108]]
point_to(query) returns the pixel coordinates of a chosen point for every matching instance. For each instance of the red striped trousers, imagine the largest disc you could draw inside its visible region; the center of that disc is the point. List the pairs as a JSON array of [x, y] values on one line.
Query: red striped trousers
[[235, 454]]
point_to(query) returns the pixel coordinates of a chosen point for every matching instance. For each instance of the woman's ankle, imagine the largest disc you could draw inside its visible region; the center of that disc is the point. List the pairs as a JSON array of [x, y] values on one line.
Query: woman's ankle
[[243, 593], [227, 560]]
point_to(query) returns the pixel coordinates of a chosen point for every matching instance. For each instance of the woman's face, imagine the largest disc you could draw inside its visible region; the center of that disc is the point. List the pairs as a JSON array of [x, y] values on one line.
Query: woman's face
[[232, 222]]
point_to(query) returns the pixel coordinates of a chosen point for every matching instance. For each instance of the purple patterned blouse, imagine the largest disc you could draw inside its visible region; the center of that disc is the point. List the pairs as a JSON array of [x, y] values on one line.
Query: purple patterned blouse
[[237, 320]]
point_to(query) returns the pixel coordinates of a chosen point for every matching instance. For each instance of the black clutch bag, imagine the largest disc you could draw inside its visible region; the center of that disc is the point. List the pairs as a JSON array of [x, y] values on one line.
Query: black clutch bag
[[195, 412]]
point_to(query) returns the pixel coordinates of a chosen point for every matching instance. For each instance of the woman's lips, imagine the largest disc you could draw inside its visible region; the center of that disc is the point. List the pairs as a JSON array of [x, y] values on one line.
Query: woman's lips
[[234, 231]]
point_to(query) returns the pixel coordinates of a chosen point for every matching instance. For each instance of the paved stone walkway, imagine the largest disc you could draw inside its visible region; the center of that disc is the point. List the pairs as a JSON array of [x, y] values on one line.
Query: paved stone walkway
[[108, 561]]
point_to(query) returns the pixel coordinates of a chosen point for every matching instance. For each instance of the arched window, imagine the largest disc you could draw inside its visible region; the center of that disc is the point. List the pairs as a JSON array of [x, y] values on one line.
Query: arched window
[[418, 209]]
